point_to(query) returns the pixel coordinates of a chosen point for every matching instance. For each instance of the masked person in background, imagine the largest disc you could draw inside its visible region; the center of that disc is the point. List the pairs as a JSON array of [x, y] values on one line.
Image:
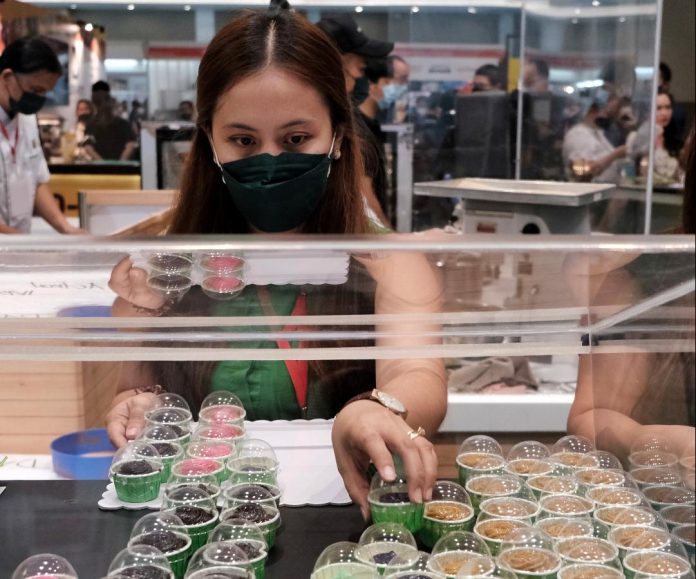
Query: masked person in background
[[355, 48], [29, 69], [394, 104], [275, 151]]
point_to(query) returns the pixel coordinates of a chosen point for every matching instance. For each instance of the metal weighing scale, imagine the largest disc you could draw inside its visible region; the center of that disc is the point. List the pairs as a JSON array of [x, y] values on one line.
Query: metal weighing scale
[[511, 207]]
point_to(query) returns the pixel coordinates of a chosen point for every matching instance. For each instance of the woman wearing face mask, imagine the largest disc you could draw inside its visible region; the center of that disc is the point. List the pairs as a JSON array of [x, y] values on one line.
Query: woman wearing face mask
[[29, 69], [275, 151]]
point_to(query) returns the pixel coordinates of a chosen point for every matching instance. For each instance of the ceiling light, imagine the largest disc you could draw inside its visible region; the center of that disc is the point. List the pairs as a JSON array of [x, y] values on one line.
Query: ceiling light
[[187, 7], [577, 11], [89, 27], [575, 21], [622, 19], [471, 10], [415, 10], [359, 9], [596, 3], [131, 7], [73, 7]]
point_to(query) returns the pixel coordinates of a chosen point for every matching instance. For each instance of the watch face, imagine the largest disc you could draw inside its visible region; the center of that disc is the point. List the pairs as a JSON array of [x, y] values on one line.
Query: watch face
[[390, 402]]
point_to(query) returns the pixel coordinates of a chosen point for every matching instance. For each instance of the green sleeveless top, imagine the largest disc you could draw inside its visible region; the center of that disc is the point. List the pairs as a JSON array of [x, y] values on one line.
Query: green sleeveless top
[[264, 387]]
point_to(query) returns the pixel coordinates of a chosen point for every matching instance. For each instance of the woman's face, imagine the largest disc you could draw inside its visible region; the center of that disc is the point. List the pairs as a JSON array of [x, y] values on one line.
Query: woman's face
[[271, 112], [83, 109], [664, 110]]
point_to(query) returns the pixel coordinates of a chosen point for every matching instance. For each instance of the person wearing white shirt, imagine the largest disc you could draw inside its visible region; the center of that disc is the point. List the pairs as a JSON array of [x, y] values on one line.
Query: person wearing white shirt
[[29, 69]]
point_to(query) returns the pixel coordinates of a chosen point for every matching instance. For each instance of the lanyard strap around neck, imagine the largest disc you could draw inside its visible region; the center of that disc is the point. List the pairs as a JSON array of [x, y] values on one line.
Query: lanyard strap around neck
[[297, 369], [13, 148]]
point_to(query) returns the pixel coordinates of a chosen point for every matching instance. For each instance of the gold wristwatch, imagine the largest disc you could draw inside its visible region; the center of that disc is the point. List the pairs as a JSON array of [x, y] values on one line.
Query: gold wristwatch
[[383, 398]]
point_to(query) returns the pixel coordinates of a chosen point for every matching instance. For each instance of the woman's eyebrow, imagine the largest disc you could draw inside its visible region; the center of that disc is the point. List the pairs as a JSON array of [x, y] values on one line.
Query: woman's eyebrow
[[239, 126], [295, 123]]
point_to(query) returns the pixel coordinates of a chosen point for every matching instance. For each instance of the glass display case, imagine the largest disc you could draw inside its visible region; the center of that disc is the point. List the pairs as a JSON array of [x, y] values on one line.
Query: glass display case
[[511, 321]]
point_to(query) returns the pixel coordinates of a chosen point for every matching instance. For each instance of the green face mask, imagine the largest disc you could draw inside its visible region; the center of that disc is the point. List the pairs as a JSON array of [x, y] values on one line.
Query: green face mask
[[277, 193]]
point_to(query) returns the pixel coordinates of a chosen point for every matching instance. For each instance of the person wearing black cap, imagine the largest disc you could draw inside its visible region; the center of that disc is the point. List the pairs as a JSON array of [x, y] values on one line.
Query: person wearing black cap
[[355, 48]]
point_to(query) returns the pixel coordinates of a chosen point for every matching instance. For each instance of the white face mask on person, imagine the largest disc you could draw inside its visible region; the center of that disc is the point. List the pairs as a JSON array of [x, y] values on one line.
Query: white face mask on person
[[392, 93]]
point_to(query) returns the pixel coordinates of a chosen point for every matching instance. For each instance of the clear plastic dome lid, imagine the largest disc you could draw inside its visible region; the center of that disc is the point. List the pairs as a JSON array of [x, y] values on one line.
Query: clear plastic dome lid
[[480, 443], [679, 514], [197, 467], [387, 533], [528, 537], [341, 552], [656, 475], [148, 561], [657, 564], [669, 495], [510, 507], [621, 515], [217, 572], [208, 484], [571, 505], [461, 541], [560, 528], [388, 492], [616, 495], [218, 555], [587, 549], [499, 573], [528, 449], [187, 495], [460, 557], [159, 433], [640, 538], [445, 490], [497, 529], [606, 459], [656, 457], [172, 416], [651, 443], [256, 448], [155, 522], [219, 431], [248, 493], [222, 407], [238, 530], [45, 566], [553, 484], [220, 261], [136, 458], [600, 477], [573, 443], [216, 449], [260, 513], [171, 400], [611, 570], [495, 485]]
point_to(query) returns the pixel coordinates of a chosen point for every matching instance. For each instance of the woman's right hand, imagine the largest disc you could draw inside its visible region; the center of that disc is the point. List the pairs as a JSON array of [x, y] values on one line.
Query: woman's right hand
[[126, 419], [130, 283]]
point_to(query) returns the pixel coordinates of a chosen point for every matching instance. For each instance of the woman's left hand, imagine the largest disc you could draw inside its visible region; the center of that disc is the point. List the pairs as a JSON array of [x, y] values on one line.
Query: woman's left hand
[[365, 431]]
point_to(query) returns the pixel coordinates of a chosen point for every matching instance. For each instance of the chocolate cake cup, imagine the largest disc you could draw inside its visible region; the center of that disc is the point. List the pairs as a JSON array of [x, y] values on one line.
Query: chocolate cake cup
[[494, 544], [178, 560], [466, 472], [365, 553], [344, 571], [410, 515], [126, 572], [450, 562], [199, 532], [433, 528], [635, 563], [137, 488], [268, 528], [589, 571], [550, 573]]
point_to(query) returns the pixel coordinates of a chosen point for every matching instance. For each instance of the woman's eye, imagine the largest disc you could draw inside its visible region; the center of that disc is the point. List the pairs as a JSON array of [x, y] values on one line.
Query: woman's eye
[[297, 139], [242, 141]]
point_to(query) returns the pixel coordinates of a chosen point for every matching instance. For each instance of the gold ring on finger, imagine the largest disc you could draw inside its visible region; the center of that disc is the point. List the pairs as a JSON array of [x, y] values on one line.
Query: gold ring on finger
[[413, 434]]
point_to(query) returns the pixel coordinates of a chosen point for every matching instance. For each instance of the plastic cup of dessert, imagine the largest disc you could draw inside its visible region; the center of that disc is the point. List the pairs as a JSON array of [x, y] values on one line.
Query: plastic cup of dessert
[[620, 516], [382, 543], [255, 462], [248, 537], [265, 515], [196, 509], [529, 458], [655, 564], [677, 515], [477, 455], [488, 486], [572, 452], [337, 561], [686, 534], [510, 508], [660, 497], [687, 468], [613, 496], [561, 528], [205, 483], [389, 503], [643, 458], [449, 510], [548, 485], [587, 550], [495, 531], [165, 440], [172, 286], [461, 553], [170, 263], [566, 506], [219, 450], [225, 559], [141, 561], [530, 562], [45, 566], [171, 400], [195, 468], [221, 286], [229, 432], [221, 407], [638, 538], [589, 571], [177, 419], [646, 476], [136, 472], [164, 531], [600, 477], [220, 262], [252, 493]]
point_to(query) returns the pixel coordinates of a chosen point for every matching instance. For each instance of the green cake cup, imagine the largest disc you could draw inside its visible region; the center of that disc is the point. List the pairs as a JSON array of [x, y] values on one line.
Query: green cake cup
[[629, 539], [490, 486], [178, 560], [138, 488], [495, 531], [269, 528], [452, 563], [531, 563], [389, 503], [345, 570], [199, 533], [443, 517], [473, 464], [406, 554]]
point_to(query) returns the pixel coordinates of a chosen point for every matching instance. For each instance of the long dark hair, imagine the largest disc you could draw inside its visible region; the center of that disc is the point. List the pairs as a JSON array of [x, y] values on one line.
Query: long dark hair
[[240, 49], [29, 55], [287, 41], [672, 140]]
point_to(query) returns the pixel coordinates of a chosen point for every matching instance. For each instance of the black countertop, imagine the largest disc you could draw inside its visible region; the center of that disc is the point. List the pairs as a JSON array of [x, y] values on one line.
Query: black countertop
[[62, 517]]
